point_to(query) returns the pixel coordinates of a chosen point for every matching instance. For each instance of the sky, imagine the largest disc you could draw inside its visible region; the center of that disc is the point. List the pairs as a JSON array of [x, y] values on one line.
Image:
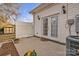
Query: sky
[[24, 10]]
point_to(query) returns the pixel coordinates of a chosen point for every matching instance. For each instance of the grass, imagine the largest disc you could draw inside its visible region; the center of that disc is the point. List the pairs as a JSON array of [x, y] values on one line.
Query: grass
[[6, 37]]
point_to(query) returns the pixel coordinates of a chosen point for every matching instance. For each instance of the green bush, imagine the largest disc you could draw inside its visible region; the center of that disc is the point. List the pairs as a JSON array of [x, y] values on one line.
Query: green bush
[[1, 29]]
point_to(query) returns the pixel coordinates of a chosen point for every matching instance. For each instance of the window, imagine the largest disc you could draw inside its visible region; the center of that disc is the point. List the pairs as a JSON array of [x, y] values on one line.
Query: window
[[54, 26], [45, 26], [9, 30]]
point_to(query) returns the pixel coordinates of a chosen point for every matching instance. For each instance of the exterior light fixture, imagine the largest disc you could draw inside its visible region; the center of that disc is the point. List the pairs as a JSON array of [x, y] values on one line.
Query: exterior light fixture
[[64, 9], [38, 17]]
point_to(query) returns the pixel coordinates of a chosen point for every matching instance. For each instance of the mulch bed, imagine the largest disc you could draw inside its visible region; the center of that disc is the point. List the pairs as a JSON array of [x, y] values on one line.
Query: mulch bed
[[8, 48]]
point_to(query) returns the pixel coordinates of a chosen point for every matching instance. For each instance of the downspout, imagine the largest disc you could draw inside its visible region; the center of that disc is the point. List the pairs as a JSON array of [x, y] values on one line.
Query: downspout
[[34, 24], [67, 20]]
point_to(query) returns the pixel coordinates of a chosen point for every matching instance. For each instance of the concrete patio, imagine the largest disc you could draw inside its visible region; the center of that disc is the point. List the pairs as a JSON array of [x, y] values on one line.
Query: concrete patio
[[43, 48]]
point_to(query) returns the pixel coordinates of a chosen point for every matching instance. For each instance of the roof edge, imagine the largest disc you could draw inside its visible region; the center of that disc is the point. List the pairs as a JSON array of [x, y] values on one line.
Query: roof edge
[[41, 6]]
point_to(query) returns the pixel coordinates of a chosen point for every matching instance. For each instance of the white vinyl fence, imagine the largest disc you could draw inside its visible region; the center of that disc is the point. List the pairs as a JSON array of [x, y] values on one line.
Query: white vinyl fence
[[24, 29]]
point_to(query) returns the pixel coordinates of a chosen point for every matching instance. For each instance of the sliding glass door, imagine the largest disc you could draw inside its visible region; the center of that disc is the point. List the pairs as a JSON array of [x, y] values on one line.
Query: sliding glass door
[[45, 26], [54, 26]]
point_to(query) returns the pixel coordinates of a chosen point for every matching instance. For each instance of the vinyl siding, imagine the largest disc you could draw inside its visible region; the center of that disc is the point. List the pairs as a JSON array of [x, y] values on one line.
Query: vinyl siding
[[73, 10], [50, 11]]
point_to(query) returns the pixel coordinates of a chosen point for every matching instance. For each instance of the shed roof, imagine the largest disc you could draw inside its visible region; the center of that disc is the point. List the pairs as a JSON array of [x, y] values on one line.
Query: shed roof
[[8, 25]]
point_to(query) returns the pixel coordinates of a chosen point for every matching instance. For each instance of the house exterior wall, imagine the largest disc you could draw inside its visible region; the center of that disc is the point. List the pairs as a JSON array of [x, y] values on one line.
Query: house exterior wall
[[24, 29], [63, 30], [51, 11], [73, 10]]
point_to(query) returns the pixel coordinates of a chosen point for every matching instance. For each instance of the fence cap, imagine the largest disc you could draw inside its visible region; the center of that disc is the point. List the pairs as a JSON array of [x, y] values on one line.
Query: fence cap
[[73, 38]]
